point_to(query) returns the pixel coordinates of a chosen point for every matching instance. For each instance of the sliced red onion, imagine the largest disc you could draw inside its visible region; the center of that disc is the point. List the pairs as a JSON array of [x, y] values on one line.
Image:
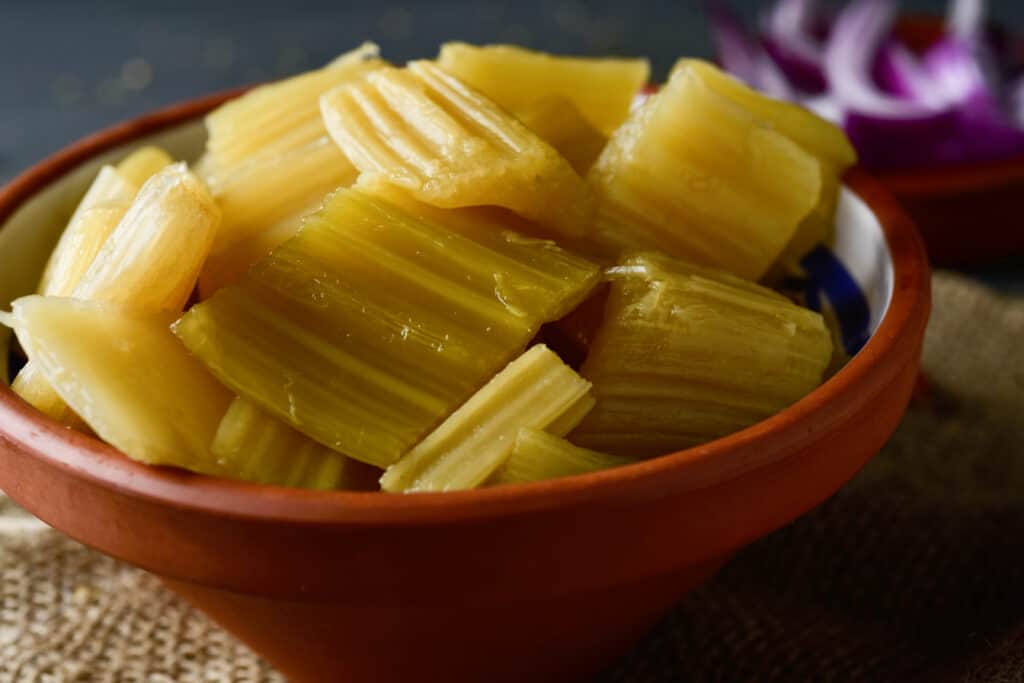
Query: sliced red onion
[[857, 36], [771, 80], [953, 104], [884, 141], [741, 54], [969, 132], [899, 71], [962, 71], [790, 41]]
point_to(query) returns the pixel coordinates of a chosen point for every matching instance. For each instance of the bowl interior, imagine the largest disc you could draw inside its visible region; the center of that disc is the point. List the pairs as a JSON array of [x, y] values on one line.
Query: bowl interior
[[29, 234]]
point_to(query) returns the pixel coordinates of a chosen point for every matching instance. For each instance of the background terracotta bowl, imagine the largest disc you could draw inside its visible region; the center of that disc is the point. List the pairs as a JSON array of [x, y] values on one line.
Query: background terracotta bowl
[[544, 582], [964, 211]]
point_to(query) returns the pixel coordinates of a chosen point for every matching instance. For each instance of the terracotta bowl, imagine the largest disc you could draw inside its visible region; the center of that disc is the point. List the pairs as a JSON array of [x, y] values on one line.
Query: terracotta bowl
[[965, 211], [544, 582]]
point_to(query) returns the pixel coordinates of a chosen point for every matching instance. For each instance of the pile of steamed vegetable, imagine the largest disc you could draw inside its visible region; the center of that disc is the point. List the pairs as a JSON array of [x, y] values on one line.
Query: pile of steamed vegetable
[[375, 275], [960, 100]]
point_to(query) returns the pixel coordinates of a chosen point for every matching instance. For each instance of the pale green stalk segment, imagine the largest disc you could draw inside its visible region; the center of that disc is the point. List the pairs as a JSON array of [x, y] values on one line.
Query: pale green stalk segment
[[127, 377], [372, 325], [688, 354], [535, 390], [539, 455], [252, 445]]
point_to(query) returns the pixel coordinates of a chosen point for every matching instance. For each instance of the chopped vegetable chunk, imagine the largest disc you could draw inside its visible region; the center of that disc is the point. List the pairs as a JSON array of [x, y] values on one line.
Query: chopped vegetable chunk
[[427, 132], [148, 261], [699, 177], [126, 375], [514, 77], [372, 325], [535, 390], [254, 446], [688, 354], [557, 121], [539, 455]]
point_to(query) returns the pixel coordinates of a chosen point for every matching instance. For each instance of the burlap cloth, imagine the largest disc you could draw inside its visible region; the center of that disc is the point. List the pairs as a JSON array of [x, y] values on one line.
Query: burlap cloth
[[915, 571]]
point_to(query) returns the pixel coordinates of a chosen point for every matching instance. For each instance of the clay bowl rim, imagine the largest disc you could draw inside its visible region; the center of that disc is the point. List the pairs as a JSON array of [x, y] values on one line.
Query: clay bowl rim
[[23, 427]]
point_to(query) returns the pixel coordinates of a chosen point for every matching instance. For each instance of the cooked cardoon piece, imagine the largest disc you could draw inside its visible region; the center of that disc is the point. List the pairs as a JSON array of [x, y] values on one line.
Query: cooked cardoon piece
[[252, 445], [126, 375], [152, 258], [822, 139], [32, 386], [143, 164], [557, 121], [276, 119], [371, 325], [227, 267], [98, 213], [269, 162], [264, 203], [490, 226], [81, 241], [538, 455], [284, 187], [695, 175], [425, 131], [148, 261], [536, 390], [514, 77], [687, 354], [110, 193], [109, 186]]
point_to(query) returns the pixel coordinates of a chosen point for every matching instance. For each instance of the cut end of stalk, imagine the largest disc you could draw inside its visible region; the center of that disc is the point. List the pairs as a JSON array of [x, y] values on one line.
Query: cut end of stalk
[[252, 445], [427, 132], [700, 177], [687, 354], [127, 377], [602, 89], [536, 390], [143, 164], [539, 455]]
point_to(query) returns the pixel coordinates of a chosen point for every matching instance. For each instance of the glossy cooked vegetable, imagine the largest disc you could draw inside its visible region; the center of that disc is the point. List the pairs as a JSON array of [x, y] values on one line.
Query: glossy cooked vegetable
[[515, 78], [538, 455], [269, 162], [536, 390], [264, 204], [252, 445], [127, 377], [689, 354], [425, 131], [372, 325], [277, 119], [557, 121], [148, 260], [697, 176], [106, 200], [820, 138]]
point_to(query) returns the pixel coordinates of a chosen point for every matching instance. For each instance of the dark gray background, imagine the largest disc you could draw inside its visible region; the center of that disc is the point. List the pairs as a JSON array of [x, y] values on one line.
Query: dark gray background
[[73, 66]]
